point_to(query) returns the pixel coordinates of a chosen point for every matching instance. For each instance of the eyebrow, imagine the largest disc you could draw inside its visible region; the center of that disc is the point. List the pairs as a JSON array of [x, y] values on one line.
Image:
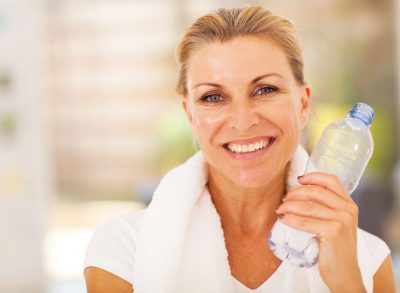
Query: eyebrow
[[264, 76], [253, 81]]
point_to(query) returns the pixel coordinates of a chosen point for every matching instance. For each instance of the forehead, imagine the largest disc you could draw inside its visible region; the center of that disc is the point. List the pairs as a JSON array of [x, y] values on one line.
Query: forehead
[[240, 58]]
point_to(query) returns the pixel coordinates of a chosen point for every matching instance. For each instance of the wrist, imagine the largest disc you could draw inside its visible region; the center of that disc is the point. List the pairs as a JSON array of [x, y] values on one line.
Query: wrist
[[354, 284], [352, 287], [350, 290]]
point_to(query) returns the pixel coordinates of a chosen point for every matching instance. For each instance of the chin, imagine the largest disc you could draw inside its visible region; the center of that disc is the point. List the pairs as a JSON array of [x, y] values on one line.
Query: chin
[[252, 181]]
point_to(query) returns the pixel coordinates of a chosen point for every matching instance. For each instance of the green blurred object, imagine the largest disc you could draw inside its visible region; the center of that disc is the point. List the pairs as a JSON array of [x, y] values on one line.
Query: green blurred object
[[8, 124], [175, 140], [381, 129]]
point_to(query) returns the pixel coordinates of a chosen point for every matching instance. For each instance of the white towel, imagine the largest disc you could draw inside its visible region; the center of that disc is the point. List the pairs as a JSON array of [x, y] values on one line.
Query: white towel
[[181, 245]]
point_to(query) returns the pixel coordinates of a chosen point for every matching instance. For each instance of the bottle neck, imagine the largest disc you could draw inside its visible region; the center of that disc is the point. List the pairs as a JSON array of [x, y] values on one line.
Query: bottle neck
[[359, 120]]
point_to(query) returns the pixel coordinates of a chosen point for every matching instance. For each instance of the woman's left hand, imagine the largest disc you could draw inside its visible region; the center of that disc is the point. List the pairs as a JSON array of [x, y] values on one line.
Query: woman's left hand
[[322, 206]]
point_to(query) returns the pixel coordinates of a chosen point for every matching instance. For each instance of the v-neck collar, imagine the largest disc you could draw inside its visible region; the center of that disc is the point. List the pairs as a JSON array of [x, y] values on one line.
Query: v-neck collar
[[269, 284]]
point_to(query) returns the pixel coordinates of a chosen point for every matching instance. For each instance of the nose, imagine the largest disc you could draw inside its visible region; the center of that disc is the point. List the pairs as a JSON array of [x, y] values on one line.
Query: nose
[[243, 116]]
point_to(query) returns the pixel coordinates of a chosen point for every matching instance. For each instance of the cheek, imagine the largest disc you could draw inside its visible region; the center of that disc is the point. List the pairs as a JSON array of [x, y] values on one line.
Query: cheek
[[286, 118], [206, 123], [294, 128], [294, 124], [294, 114], [203, 119]]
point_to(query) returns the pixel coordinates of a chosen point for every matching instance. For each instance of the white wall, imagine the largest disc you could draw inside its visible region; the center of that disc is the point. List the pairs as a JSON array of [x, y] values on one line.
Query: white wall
[[24, 154]]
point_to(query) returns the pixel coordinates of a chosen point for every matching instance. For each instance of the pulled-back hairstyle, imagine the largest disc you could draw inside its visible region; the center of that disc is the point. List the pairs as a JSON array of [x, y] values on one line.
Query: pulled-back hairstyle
[[226, 24]]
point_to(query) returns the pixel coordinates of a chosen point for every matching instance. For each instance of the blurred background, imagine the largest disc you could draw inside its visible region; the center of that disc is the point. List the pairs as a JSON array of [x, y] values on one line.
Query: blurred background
[[89, 120]]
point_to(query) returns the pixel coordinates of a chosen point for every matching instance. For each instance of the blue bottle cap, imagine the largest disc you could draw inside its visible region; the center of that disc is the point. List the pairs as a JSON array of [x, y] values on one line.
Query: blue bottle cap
[[363, 112]]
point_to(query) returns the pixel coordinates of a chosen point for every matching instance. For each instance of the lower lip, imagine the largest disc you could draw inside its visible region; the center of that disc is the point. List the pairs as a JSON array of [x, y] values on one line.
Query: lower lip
[[250, 155]]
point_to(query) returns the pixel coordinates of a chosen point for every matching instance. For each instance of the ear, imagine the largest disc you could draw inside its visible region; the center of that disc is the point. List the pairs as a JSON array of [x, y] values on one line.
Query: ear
[[305, 104]]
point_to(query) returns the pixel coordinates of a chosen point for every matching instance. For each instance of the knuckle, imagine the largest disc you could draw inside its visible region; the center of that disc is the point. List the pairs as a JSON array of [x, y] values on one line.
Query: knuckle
[[347, 219], [335, 228], [310, 207], [309, 204], [354, 210]]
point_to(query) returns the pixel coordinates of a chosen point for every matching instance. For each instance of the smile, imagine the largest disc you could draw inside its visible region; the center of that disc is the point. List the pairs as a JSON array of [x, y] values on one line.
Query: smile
[[253, 147]]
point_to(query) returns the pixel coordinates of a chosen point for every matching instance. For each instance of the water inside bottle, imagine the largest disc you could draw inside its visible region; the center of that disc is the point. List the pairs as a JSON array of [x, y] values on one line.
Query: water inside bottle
[[343, 150]]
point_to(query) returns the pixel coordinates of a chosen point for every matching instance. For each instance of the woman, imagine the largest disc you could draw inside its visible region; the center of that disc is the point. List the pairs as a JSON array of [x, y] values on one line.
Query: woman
[[206, 229]]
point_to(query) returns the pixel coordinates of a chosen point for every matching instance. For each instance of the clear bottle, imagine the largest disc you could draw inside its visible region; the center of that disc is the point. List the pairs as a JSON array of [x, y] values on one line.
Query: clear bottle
[[344, 150]]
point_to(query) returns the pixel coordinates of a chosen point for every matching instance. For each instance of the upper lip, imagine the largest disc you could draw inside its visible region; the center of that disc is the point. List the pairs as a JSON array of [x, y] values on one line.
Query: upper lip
[[246, 141]]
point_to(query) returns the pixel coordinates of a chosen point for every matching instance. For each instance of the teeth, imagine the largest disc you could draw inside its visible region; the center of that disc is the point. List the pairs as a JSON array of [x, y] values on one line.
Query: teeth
[[237, 148]]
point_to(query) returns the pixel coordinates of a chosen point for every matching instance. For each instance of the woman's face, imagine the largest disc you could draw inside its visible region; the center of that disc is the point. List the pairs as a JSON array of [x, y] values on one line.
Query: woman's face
[[245, 109]]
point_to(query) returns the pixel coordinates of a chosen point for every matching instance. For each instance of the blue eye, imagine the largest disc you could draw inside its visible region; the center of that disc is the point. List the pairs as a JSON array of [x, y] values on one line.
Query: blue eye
[[266, 90], [212, 99]]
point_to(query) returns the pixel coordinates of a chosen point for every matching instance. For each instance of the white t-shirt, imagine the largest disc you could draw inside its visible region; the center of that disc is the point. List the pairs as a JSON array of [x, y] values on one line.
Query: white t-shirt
[[113, 245]]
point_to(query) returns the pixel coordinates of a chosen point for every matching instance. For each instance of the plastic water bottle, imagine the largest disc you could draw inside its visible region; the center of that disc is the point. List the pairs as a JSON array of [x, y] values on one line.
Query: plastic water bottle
[[344, 150]]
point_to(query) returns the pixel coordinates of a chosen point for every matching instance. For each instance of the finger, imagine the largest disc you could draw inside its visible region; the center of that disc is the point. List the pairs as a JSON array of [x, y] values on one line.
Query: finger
[[326, 180], [320, 195], [319, 227], [314, 210], [308, 209]]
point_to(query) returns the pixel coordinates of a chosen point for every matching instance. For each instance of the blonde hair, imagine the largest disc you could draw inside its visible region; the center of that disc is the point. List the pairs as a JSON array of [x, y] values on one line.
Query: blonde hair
[[226, 24]]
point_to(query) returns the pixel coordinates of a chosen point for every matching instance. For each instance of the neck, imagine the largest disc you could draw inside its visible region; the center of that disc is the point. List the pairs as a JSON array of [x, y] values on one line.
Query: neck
[[246, 211]]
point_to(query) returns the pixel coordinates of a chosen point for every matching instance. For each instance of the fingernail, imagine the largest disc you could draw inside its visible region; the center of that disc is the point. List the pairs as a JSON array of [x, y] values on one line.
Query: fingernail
[[299, 177]]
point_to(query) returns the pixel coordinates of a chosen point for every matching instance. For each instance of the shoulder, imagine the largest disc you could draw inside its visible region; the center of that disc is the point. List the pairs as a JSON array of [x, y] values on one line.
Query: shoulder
[[127, 224], [377, 249], [112, 246]]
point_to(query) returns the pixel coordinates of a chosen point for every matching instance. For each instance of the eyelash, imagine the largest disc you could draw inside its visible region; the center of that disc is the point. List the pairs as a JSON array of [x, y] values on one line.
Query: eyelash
[[271, 89], [206, 99]]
